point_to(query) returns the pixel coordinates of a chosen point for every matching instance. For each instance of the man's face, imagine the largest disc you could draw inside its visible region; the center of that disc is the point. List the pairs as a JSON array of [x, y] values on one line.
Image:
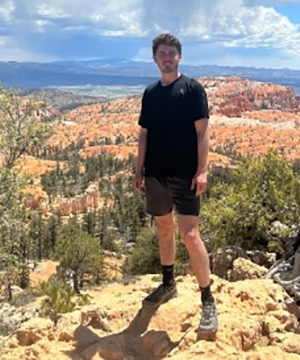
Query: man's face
[[167, 58]]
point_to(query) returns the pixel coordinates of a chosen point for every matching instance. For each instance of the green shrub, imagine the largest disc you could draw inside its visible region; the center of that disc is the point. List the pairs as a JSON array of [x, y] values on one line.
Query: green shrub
[[257, 209], [145, 256], [58, 299]]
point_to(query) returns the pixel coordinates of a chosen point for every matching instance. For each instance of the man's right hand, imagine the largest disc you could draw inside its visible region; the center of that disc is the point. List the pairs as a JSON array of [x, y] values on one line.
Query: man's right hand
[[138, 183]]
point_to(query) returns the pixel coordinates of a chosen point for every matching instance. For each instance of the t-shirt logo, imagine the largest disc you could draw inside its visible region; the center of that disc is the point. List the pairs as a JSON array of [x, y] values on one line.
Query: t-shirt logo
[[182, 92]]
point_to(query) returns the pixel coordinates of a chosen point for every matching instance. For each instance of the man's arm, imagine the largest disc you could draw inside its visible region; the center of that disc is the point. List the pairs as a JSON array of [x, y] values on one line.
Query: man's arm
[[142, 145], [139, 175], [200, 178], [203, 143]]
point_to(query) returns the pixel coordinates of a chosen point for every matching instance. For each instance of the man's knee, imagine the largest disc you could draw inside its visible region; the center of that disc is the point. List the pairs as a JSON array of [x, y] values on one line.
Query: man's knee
[[188, 226], [165, 224], [190, 235]]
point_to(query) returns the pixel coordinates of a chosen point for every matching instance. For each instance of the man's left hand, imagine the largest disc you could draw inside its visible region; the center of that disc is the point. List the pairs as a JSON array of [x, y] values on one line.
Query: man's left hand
[[199, 182]]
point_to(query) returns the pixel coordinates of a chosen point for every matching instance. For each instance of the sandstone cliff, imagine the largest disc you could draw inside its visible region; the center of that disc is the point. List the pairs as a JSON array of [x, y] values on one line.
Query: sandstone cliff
[[233, 96], [252, 116], [248, 117]]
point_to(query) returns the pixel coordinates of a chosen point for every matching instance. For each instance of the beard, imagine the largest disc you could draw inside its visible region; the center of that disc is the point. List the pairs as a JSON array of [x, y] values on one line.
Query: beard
[[168, 68]]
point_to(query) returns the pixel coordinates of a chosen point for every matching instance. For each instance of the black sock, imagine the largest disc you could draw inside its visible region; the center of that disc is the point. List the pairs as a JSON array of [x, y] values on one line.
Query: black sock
[[206, 294], [168, 275]]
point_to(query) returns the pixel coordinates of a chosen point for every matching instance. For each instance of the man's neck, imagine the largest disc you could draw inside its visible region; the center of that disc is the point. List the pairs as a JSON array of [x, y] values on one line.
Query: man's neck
[[167, 79]]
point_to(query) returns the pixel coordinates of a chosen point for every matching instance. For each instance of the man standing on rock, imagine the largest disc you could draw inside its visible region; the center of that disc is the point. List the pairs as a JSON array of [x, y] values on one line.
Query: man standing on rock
[[172, 170]]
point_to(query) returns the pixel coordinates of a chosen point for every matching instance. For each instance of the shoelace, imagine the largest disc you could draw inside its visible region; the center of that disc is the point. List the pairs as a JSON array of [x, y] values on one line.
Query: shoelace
[[208, 312]]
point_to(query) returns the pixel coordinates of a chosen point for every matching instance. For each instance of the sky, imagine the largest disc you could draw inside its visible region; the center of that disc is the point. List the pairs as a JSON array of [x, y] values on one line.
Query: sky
[[256, 33]]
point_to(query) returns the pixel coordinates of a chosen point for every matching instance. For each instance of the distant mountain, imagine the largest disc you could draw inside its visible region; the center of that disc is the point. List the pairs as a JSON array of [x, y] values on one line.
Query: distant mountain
[[100, 63], [41, 75], [123, 72]]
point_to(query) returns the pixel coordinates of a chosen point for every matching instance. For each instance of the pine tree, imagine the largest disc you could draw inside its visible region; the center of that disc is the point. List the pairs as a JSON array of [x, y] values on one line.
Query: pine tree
[[78, 252], [58, 299], [244, 212], [21, 130]]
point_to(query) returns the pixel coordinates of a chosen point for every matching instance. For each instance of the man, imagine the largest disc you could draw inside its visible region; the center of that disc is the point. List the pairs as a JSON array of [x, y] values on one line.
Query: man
[[171, 169]]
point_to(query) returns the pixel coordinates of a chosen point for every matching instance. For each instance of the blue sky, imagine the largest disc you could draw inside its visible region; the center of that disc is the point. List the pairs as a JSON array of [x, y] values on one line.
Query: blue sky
[[258, 33]]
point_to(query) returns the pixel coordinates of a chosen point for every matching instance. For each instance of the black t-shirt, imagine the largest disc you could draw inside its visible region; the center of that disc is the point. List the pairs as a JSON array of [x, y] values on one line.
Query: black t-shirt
[[169, 114]]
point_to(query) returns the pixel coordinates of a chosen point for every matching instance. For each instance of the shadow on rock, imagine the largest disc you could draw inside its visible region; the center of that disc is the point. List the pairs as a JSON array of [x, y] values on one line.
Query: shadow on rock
[[133, 343]]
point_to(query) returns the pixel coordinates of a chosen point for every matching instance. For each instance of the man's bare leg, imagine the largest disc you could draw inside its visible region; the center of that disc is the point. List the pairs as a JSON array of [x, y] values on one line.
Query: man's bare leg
[[188, 226], [166, 238], [167, 249]]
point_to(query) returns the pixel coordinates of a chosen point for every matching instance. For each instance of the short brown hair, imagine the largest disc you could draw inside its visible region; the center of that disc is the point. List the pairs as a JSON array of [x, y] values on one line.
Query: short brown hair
[[166, 39]]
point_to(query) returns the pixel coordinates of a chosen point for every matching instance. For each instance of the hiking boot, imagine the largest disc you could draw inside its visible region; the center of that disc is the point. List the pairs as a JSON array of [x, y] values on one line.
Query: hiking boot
[[209, 321], [160, 295]]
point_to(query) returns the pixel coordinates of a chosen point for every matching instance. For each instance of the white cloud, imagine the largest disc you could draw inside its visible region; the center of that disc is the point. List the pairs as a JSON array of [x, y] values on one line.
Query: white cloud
[[103, 17], [197, 18], [230, 24], [46, 10], [263, 27], [6, 10]]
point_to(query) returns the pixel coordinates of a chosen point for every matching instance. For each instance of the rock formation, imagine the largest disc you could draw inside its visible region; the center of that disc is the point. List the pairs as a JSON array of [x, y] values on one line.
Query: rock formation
[[232, 96], [80, 204], [253, 324]]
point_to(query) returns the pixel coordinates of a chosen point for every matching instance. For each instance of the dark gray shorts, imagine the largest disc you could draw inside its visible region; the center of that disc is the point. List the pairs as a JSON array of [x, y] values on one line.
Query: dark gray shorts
[[162, 193]]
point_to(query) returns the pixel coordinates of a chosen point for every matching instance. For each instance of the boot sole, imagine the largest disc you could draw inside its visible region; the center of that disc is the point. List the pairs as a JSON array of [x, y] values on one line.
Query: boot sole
[[208, 335]]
